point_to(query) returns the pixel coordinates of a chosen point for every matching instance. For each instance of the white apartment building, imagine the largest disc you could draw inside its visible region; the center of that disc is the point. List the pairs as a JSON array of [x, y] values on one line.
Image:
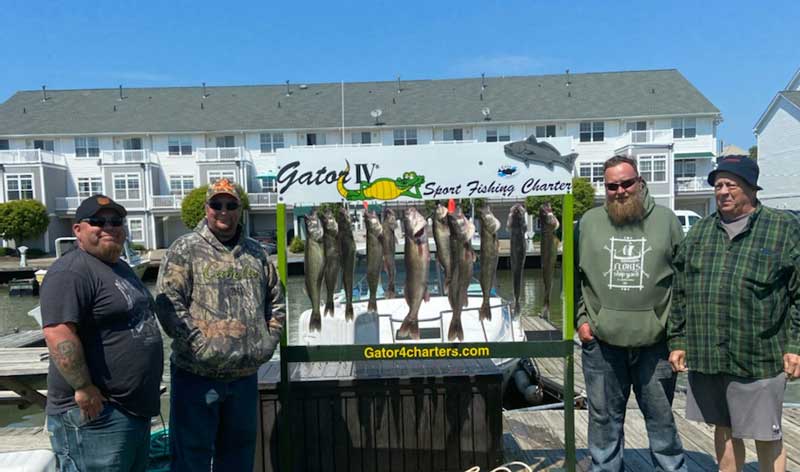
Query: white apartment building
[[148, 147], [778, 137]]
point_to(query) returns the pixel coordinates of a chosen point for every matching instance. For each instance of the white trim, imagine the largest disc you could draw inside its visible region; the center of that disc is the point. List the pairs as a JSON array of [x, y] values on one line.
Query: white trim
[[142, 229], [90, 179], [183, 180], [758, 128], [795, 82], [114, 186], [717, 115], [19, 189], [222, 173]]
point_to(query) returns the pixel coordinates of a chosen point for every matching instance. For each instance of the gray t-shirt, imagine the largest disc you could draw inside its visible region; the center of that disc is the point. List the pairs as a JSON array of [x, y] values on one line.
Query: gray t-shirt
[[734, 227], [114, 314]]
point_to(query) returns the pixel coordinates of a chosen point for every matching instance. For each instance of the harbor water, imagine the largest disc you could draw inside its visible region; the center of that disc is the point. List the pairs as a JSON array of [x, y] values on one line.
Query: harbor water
[[13, 316]]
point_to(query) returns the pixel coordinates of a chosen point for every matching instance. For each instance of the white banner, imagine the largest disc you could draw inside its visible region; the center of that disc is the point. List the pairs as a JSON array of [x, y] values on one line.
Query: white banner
[[314, 175]]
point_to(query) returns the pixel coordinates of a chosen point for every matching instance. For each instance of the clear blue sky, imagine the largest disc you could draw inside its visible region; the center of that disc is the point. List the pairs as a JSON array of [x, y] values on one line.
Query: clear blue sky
[[738, 53]]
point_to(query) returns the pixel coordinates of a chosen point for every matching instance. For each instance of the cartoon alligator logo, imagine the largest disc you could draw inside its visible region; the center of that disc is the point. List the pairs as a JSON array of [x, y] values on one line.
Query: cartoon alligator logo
[[382, 189]]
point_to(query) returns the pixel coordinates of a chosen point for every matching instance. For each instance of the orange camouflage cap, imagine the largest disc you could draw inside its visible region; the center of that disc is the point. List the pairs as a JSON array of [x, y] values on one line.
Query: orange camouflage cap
[[222, 186]]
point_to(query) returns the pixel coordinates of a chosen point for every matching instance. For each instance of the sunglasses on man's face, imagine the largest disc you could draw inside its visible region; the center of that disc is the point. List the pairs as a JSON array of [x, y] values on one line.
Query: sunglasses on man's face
[[626, 184], [100, 221], [219, 206]]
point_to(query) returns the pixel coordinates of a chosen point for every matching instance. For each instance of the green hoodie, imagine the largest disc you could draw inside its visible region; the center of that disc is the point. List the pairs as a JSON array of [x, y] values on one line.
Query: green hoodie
[[625, 274]]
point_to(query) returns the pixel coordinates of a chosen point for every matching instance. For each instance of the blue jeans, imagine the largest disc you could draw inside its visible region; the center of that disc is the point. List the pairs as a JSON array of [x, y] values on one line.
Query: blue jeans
[[212, 420], [610, 372], [114, 441]]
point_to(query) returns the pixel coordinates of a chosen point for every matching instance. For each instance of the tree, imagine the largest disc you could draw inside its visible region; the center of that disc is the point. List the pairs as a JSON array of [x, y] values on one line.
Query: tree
[[583, 201], [193, 206], [23, 219], [753, 152]]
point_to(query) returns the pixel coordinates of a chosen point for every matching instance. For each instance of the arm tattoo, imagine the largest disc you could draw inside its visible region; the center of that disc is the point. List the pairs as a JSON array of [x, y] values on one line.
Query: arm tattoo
[[68, 358]]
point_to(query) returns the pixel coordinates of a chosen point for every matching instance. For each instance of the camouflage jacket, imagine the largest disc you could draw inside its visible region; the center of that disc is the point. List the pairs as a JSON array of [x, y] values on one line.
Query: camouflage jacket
[[222, 308]]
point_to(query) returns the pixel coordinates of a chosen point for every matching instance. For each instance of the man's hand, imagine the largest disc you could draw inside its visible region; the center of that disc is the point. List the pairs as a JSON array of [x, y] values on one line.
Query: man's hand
[[90, 401], [677, 359], [585, 333], [791, 365]]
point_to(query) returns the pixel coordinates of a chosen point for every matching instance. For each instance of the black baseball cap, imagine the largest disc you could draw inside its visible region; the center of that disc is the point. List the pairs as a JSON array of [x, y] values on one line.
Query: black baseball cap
[[741, 166], [89, 207]]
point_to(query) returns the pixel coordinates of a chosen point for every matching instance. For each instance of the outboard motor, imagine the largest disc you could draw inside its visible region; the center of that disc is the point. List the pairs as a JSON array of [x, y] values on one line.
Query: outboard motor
[[526, 378]]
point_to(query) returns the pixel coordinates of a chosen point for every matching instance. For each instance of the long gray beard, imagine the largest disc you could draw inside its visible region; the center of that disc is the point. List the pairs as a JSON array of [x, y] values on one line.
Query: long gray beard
[[628, 212]]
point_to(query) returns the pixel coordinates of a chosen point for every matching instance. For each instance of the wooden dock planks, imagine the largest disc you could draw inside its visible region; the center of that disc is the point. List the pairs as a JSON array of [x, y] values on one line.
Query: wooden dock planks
[[537, 439]]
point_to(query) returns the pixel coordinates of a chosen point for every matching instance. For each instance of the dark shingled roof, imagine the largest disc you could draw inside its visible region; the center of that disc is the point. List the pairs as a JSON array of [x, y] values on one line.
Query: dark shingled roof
[[420, 102]]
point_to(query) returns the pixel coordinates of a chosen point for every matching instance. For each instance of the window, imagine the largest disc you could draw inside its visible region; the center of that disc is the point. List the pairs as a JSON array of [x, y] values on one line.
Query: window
[[214, 175], [19, 186], [181, 184], [226, 141], [685, 168], [405, 137], [44, 144], [136, 229], [684, 128], [179, 145], [592, 131], [3, 145], [591, 171], [132, 144], [493, 135], [86, 147], [126, 187], [271, 142], [653, 169], [315, 139], [454, 134], [269, 185], [546, 131], [88, 186], [363, 137]]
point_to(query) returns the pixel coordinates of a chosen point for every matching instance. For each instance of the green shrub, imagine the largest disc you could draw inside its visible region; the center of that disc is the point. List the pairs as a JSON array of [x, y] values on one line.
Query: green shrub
[[138, 247], [297, 246], [7, 251], [23, 219]]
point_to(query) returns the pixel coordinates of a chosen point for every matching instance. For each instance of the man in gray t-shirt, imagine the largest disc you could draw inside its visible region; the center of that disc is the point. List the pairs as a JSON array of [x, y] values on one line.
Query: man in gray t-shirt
[[106, 354]]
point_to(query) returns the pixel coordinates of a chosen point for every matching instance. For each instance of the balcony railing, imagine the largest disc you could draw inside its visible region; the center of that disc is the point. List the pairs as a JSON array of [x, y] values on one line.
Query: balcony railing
[[263, 199], [161, 202], [692, 184], [68, 203], [217, 154], [648, 136], [30, 156], [125, 156]]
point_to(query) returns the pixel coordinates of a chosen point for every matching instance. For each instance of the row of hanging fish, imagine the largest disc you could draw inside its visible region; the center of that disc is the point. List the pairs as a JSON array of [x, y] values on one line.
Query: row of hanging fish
[[330, 251]]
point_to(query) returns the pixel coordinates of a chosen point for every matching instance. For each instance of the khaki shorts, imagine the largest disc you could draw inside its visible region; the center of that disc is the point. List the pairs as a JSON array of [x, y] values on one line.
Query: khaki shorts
[[752, 408]]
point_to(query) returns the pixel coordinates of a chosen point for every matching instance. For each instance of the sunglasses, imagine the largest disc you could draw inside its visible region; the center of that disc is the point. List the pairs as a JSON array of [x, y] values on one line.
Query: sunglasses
[[626, 184], [218, 206], [100, 221]]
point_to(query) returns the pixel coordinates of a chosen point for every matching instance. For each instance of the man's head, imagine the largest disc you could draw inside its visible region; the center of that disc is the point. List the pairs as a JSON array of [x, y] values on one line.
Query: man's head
[[223, 209], [99, 227], [624, 190], [735, 182]]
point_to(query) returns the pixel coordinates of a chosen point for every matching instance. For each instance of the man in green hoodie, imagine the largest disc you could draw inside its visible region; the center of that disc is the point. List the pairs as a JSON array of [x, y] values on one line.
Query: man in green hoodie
[[624, 259]]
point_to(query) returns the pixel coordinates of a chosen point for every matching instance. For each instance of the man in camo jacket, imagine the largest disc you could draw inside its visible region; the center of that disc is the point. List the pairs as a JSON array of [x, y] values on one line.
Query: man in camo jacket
[[221, 302]]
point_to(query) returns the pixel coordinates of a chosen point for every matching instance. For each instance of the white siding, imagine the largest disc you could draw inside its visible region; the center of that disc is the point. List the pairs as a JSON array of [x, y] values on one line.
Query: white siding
[[779, 156]]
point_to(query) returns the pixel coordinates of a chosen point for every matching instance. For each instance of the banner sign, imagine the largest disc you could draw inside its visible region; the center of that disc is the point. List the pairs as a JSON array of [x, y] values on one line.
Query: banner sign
[[314, 175]]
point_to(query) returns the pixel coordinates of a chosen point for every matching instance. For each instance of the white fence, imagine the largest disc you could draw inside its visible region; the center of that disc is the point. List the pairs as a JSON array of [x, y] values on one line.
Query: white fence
[[30, 156]]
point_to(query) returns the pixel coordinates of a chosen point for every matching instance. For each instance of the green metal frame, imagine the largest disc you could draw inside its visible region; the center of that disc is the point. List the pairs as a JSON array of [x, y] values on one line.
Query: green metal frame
[[560, 348]]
